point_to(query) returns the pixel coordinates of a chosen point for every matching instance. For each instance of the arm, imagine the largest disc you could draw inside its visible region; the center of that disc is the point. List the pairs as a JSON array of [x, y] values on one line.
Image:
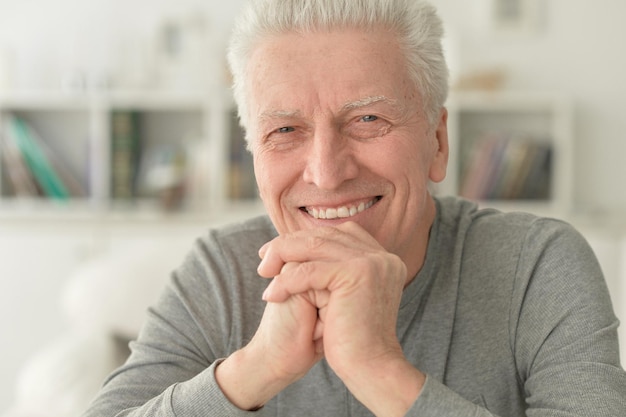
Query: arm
[[212, 309], [562, 338], [170, 371], [282, 351], [566, 331]]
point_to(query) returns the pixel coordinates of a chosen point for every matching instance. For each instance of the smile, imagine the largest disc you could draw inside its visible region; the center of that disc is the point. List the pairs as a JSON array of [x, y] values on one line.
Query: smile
[[340, 212]]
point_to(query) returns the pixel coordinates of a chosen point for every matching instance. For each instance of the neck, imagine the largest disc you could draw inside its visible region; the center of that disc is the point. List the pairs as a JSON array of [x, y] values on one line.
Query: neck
[[415, 260]]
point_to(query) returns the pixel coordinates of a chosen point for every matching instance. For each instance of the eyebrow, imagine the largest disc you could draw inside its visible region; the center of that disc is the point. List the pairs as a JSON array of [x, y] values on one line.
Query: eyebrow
[[278, 114], [368, 101], [350, 105]]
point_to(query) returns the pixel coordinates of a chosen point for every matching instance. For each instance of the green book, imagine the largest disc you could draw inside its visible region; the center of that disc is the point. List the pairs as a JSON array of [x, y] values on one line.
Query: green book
[[36, 161], [125, 153]]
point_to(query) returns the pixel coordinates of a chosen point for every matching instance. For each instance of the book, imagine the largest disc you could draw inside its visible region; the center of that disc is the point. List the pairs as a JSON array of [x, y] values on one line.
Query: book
[[519, 175], [15, 169], [507, 168], [496, 168], [30, 147], [538, 182], [125, 154], [69, 179], [511, 161], [481, 164]]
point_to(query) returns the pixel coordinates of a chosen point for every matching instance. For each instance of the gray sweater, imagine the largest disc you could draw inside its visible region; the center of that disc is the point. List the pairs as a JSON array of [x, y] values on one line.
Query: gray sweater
[[509, 316]]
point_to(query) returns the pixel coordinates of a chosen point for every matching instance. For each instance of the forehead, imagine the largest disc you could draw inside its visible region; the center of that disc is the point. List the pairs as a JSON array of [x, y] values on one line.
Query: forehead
[[295, 72]]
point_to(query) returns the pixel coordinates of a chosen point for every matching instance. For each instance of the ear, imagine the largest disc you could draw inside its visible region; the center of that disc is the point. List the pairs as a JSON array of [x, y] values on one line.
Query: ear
[[439, 163]]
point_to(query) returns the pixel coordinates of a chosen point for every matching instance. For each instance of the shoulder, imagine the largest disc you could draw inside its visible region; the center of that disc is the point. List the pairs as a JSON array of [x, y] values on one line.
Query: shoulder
[[219, 278], [491, 229], [226, 255], [257, 226], [508, 250], [531, 236], [240, 239]]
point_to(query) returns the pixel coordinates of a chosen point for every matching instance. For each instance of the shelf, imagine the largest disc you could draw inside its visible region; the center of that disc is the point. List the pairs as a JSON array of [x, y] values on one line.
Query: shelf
[[199, 125], [155, 101], [19, 211], [511, 150], [35, 100], [43, 100], [507, 101]]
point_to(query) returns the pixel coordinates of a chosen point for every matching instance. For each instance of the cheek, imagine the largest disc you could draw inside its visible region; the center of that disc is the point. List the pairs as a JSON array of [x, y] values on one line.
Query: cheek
[[272, 176], [409, 160], [261, 175], [423, 153]]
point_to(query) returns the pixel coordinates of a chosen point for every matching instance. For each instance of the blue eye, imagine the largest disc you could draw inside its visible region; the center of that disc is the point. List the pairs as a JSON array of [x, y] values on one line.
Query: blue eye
[[369, 118], [285, 129]]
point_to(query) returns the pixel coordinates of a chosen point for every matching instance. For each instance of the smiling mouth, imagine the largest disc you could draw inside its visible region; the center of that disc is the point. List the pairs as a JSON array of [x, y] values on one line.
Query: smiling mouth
[[340, 212]]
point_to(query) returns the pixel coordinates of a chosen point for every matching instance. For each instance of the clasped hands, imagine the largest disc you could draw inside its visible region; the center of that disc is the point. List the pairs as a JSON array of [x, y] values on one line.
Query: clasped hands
[[336, 294]]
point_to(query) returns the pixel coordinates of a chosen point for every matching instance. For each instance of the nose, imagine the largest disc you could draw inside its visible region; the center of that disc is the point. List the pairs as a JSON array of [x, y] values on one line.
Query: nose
[[330, 160]]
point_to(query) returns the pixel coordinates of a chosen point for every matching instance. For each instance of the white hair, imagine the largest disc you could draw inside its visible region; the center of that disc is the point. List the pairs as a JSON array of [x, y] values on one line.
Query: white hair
[[418, 28]]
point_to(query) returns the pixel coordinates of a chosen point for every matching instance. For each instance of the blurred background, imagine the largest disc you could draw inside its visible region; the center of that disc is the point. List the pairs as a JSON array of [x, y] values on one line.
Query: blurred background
[[119, 145]]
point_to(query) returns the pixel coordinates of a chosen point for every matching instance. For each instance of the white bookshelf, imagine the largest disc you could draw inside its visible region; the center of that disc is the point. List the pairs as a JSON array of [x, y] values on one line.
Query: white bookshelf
[[539, 117], [78, 129]]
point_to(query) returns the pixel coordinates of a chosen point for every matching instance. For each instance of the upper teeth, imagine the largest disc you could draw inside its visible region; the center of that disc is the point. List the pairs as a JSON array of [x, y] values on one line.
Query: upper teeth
[[339, 212]]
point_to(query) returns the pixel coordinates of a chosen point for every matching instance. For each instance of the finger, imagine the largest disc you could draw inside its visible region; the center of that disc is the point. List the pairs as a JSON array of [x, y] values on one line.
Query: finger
[[271, 264], [276, 293], [262, 250], [314, 277], [325, 243]]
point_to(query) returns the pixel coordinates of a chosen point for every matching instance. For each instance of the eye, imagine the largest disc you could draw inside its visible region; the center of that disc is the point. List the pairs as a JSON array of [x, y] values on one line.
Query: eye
[[367, 126], [369, 118], [283, 138]]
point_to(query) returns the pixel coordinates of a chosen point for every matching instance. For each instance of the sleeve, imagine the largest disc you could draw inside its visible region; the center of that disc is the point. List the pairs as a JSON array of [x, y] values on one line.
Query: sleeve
[[171, 370], [437, 400], [564, 330], [563, 335]]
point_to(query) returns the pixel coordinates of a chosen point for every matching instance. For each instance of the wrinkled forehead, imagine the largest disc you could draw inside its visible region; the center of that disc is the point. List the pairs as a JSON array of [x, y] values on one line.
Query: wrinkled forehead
[[370, 62]]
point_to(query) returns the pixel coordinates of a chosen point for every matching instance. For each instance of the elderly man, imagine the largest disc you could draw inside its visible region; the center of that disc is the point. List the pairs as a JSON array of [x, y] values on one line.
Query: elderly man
[[383, 300]]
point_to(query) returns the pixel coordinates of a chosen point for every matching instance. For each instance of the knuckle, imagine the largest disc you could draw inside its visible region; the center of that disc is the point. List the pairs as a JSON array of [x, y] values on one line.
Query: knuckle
[[387, 264], [305, 269], [314, 242], [364, 262]]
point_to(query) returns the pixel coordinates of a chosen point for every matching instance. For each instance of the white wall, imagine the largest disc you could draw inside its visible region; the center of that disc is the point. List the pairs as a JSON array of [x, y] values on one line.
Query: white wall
[[42, 41]]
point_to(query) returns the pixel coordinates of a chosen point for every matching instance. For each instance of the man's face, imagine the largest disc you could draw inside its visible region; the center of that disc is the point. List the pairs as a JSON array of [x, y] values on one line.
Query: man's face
[[338, 134]]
